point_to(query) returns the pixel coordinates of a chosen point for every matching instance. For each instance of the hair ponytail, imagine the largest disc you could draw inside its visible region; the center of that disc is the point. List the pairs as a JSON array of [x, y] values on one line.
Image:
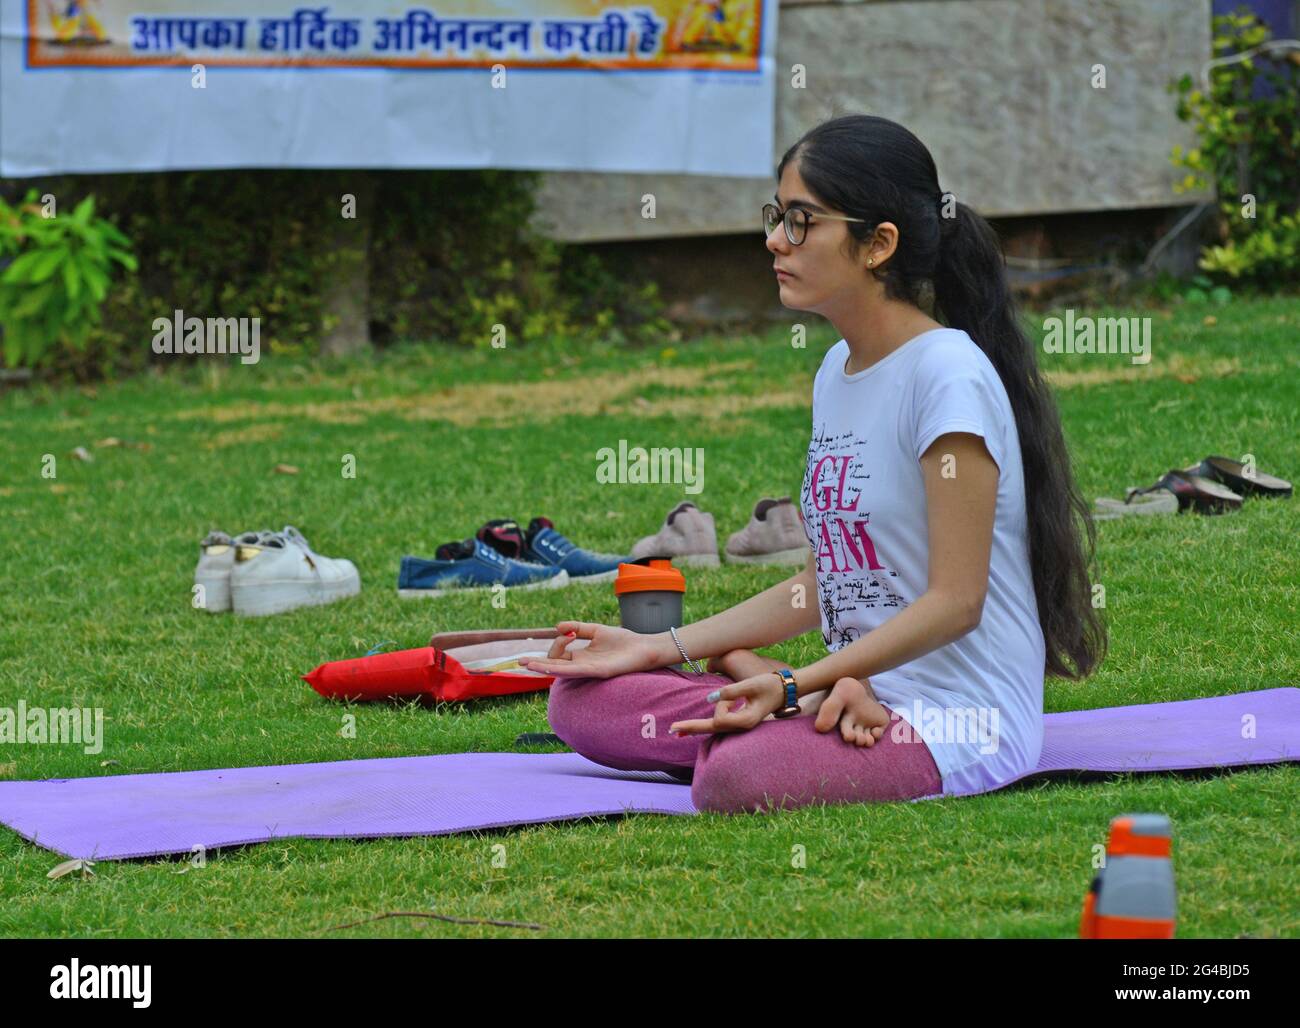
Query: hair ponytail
[[875, 169], [972, 293]]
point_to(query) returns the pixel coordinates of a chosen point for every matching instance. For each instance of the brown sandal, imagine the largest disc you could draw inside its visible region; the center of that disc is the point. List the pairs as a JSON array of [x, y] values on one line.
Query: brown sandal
[[1235, 476], [1194, 492]]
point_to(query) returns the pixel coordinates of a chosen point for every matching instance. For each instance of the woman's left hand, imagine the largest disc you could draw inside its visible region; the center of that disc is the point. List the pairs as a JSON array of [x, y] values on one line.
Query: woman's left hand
[[763, 694]]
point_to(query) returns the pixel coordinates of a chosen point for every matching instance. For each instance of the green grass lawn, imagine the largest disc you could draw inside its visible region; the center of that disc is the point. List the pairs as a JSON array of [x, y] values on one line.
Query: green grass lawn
[[96, 571]]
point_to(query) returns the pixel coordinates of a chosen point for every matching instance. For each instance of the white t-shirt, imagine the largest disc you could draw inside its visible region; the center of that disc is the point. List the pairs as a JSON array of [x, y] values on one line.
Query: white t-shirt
[[977, 702]]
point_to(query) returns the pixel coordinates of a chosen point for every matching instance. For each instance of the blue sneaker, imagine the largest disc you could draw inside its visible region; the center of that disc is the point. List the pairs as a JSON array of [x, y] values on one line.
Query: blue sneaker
[[542, 544], [547, 546], [471, 565]]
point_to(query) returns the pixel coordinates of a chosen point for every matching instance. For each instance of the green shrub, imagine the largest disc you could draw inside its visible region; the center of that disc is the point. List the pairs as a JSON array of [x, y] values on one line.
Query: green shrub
[[454, 254], [61, 269], [1249, 150], [451, 255]]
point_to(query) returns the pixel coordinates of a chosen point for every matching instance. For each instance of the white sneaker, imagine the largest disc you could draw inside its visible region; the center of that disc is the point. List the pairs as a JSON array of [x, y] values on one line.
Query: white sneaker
[[281, 572], [216, 561], [212, 573]]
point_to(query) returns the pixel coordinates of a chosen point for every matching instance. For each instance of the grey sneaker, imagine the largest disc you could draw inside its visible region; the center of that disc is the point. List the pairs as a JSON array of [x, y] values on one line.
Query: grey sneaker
[[687, 536], [774, 535]]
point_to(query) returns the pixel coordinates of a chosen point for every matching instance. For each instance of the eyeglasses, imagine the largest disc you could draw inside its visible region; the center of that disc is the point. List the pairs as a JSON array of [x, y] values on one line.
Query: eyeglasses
[[796, 221]]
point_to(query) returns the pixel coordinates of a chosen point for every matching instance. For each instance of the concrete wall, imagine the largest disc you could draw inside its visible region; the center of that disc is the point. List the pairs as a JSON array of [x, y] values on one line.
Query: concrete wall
[[999, 90]]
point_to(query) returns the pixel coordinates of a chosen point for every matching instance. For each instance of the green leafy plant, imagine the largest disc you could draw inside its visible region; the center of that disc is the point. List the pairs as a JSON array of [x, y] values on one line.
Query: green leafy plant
[[1203, 290], [1248, 149], [455, 254], [51, 291], [451, 255]]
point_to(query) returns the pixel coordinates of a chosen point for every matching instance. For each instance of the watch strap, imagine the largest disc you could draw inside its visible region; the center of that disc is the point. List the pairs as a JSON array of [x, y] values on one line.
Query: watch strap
[[791, 707]]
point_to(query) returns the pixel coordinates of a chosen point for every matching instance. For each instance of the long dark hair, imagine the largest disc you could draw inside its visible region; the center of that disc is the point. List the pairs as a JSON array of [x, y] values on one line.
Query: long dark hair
[[875, 169]]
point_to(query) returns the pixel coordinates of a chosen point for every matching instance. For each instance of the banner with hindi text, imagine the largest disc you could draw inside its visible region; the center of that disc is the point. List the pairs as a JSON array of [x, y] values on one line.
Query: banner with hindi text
[[683, 86]]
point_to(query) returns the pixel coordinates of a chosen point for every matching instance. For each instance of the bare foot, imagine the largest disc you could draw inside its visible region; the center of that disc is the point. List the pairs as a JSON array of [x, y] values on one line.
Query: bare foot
[[875, 717], [862, 719]]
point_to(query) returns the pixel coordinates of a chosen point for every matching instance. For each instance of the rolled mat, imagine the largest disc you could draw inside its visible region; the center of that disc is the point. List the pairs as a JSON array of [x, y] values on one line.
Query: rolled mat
[[115, 817]]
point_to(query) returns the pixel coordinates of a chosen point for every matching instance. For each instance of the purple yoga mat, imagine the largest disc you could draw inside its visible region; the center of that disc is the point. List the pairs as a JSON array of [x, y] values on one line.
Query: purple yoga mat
[[119, 816], [1261, 727]]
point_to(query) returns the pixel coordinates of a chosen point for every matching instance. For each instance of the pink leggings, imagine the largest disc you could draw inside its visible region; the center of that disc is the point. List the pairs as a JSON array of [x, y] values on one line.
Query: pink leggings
[[623, 722]]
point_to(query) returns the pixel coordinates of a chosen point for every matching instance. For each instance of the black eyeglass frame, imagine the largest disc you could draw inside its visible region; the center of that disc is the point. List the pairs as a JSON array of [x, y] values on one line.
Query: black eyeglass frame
[[790, 222]]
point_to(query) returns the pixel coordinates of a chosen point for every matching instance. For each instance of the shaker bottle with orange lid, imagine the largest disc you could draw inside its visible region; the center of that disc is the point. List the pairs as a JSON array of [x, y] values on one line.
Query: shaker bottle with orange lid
[[649, 595], [1133, 896]]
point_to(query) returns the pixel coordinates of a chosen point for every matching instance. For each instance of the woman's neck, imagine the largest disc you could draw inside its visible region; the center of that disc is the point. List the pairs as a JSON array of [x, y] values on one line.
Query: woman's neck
[[876, 331]]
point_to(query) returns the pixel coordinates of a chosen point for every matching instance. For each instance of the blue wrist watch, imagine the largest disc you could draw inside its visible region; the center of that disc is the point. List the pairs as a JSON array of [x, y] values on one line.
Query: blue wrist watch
[[791, 708]]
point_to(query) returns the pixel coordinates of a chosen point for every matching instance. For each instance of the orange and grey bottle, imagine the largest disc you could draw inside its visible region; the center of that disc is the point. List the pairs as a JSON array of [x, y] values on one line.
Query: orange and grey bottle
[[1133, 896], [649, 595]]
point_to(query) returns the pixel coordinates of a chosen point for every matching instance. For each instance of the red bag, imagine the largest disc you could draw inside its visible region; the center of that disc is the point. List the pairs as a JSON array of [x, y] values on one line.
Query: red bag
[[427, 671]]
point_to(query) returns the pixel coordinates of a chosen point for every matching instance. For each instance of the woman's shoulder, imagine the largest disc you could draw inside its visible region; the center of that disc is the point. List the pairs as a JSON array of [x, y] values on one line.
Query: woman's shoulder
[[949, 350], [938, 355], [948, 357]]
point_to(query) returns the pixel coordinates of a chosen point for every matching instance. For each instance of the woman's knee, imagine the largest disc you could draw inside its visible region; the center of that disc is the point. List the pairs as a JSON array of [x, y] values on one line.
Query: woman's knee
[[571, 708], [582, 709], [793, 765], [608, 721], [726, 779]]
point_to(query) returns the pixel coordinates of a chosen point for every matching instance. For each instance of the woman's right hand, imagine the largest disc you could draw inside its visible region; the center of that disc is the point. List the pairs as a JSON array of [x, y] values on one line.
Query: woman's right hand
[[611, 651]]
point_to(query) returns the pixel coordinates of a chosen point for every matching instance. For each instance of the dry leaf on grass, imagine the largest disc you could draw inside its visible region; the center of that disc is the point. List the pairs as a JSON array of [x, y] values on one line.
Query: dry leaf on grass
[[75, 864], [112, 441], [81, 453], [285, 469]]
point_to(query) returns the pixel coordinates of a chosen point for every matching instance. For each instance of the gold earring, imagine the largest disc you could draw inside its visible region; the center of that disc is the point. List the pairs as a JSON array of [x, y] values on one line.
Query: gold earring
[[871, 260]]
